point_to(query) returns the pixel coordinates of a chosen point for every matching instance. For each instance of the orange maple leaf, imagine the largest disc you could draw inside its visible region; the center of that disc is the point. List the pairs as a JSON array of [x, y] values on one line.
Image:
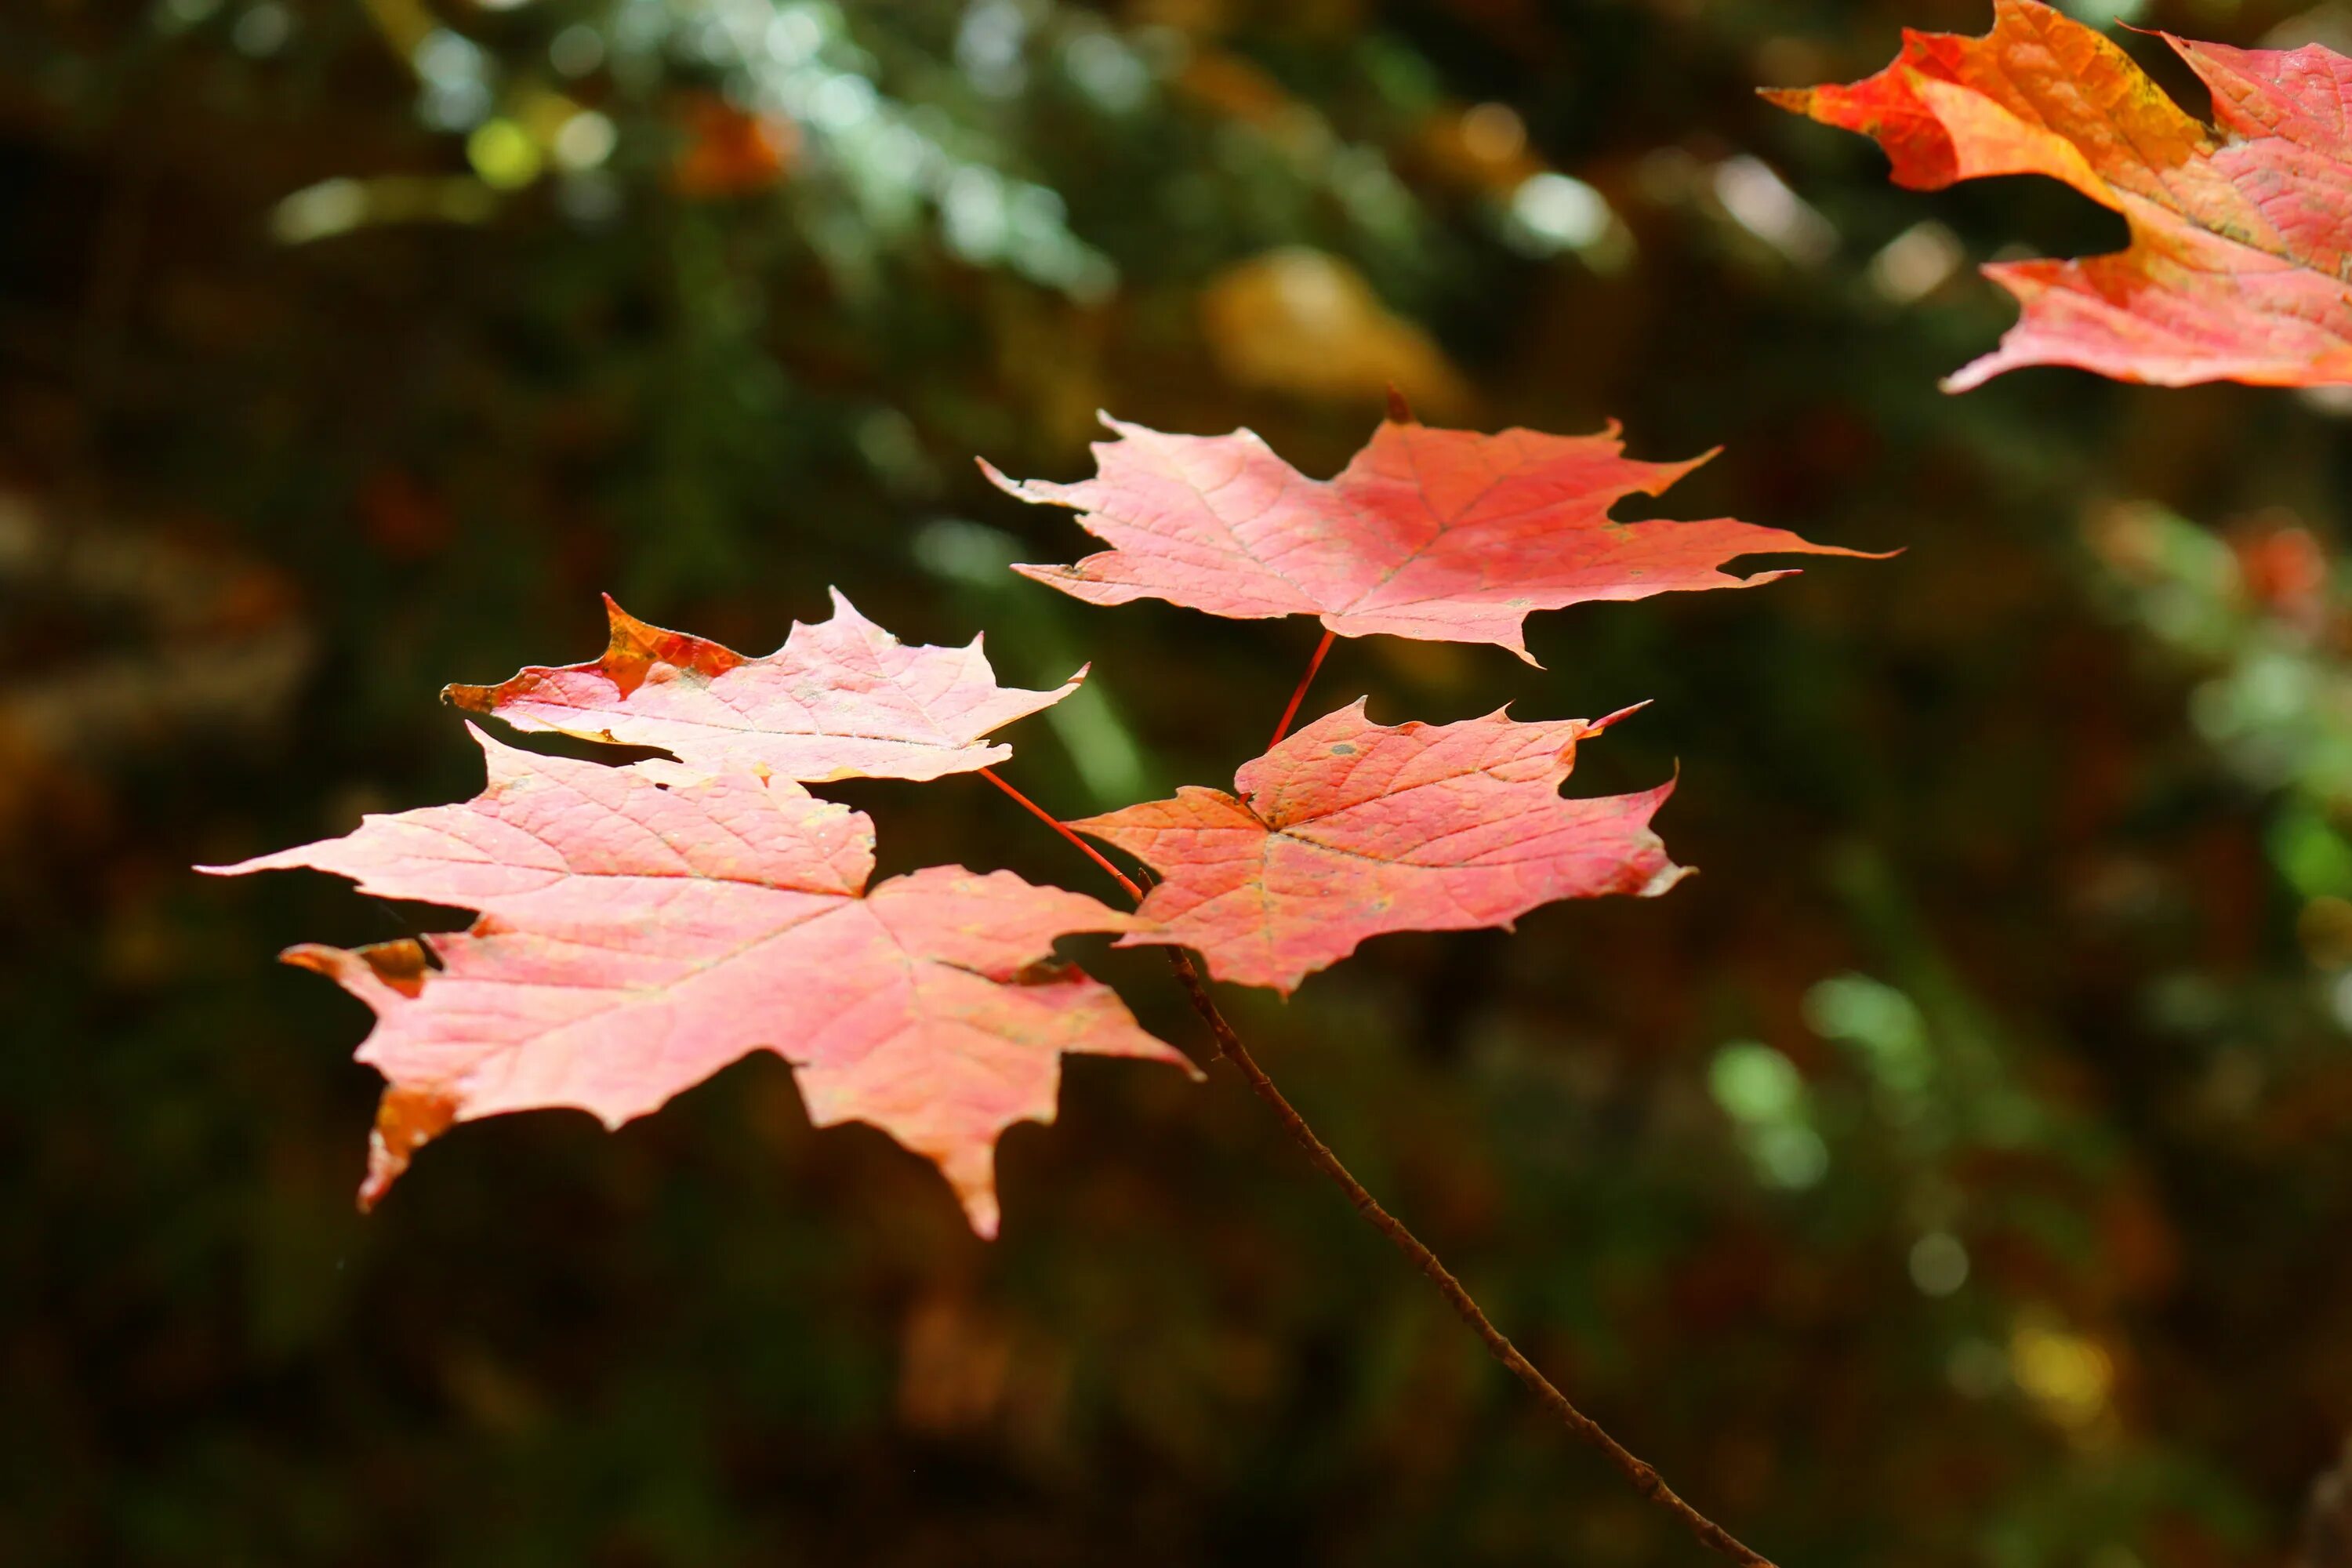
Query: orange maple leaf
[[2241, 262]]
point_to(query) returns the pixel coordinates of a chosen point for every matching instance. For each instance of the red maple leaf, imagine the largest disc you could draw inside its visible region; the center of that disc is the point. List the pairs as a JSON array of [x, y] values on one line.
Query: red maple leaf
[[1350, 828], [637, 936], [1445, 535], [842, 698], [2241, 262]]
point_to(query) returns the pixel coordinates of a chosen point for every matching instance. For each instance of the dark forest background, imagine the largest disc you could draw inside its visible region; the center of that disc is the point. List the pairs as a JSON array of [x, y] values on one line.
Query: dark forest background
[[1960, 1171]]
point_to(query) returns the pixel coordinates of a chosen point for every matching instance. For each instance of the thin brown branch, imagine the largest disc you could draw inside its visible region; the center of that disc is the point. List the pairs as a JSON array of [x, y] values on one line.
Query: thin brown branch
[[1299, 696], [1645, 1480], [1055, 822]]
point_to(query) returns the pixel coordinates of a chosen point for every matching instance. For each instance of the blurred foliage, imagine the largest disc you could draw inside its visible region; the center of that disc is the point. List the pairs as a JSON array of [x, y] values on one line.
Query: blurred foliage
[[1956, 1174]]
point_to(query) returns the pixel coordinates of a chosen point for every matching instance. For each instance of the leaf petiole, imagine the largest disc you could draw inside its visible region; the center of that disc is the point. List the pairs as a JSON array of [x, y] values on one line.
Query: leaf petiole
[[1298, 696], [1228, 1045]]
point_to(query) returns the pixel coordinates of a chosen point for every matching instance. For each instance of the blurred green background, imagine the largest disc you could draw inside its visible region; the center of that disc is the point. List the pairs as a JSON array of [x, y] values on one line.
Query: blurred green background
[[1960, 1171]]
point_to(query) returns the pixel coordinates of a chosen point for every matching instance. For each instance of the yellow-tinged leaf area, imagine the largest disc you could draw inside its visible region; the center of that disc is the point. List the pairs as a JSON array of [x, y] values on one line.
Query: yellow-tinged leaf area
[[406, 1121], [2241, 262]]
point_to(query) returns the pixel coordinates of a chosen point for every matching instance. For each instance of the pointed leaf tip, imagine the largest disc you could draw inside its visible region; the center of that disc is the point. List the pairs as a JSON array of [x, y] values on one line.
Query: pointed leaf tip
[[407, 1118], [1626, 712]]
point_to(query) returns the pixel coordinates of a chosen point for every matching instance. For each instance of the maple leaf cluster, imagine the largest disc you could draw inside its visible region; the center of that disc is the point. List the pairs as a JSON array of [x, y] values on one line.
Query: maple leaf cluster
[[641, 925], [2239, 267]]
